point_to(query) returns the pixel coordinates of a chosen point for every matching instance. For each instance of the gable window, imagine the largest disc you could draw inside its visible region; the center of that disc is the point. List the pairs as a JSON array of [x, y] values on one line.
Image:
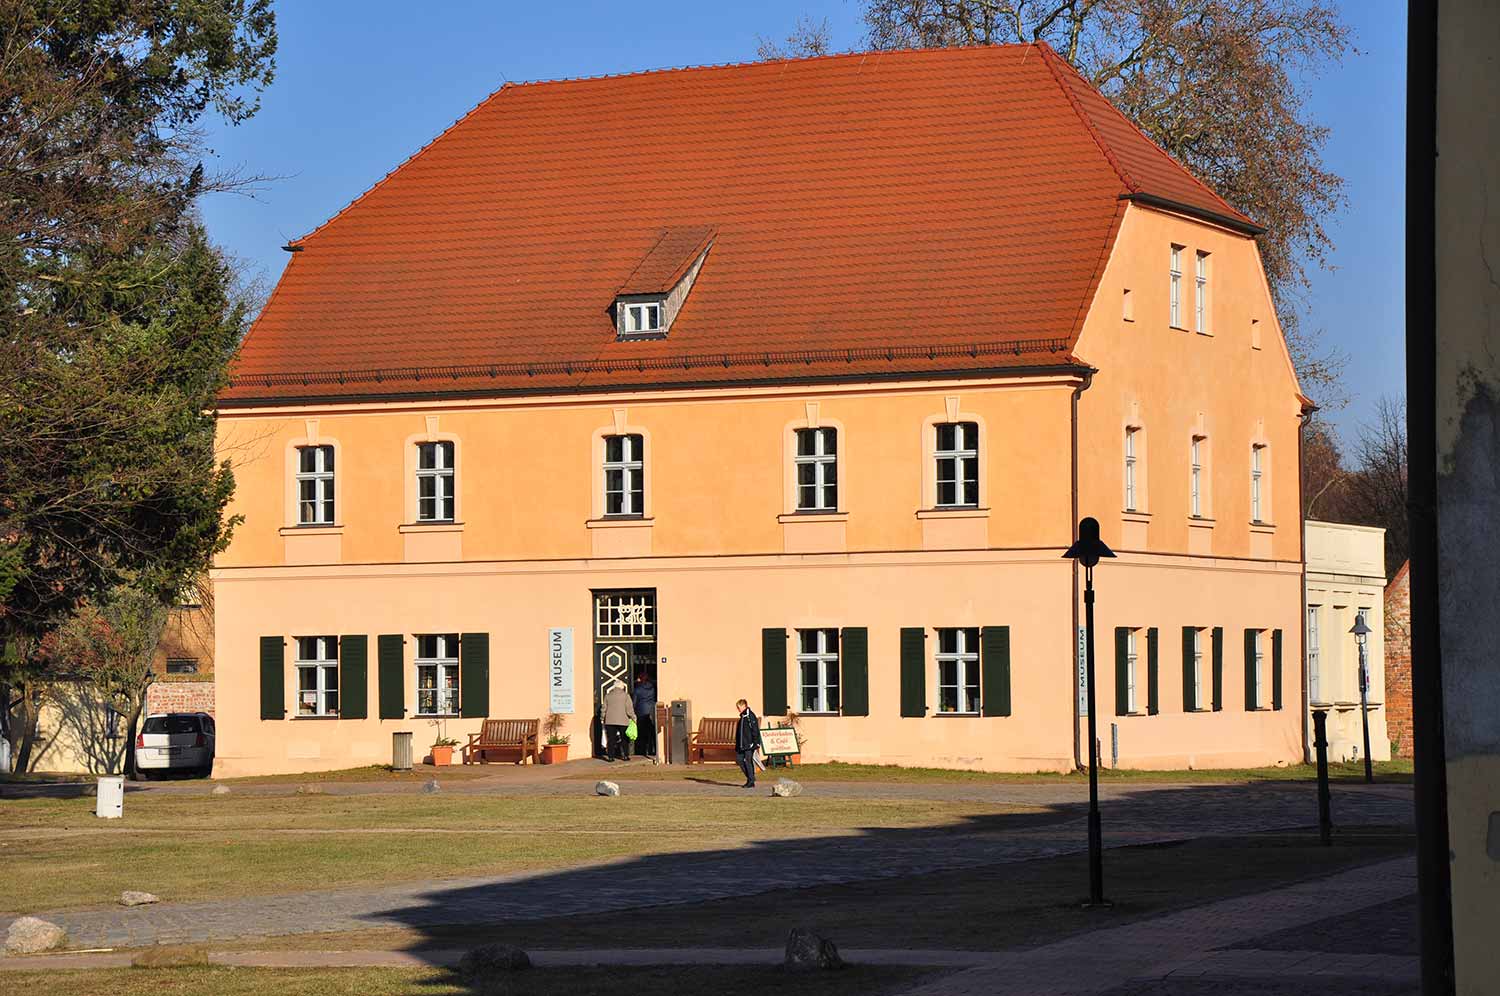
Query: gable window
[[1255, 483], [315, 485], [437, 674], [1314, 654], [957, 456], [317, 675], [1175, 297], [435, 482], [1197, 689], [642, 318], [1130, 500], [1200, 292], [958, 671], [624, 475], [1196, 478], [817, 470], [818, 668]]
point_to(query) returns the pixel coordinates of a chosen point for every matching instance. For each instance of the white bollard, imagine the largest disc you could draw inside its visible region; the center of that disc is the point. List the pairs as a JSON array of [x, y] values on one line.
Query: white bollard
[[109, 803]]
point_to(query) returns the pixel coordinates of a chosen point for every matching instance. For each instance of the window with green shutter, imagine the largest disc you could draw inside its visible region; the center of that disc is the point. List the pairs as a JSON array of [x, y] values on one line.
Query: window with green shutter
[[354, 677], [391, 665], [1218, 668], [773, 672], [913, 672], [1252, 670], [1123, 677], [994, 670], [1190, 666], [1153, 701], [272, 678], [854, 665], [474, 675], [1276, 669]]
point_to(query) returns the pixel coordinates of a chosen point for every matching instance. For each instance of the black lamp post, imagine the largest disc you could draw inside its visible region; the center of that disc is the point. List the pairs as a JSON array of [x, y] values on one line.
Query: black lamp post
[[1088, 549], [1361, 633]]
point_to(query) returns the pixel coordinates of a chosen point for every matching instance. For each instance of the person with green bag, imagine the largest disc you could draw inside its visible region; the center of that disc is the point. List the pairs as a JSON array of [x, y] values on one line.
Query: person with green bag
[[619, 723]]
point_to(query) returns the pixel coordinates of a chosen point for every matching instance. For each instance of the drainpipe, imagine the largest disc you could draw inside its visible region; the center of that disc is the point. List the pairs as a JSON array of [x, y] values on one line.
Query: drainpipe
[[1088, 378]]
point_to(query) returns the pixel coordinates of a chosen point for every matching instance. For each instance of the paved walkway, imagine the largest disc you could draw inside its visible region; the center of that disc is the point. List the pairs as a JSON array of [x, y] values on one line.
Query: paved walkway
[[1134, 815]]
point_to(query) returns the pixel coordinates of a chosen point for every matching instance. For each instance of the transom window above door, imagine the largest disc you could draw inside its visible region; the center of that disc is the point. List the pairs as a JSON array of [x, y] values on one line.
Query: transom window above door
[[624, 475], [957, 455], [435, 480], [817, 470]]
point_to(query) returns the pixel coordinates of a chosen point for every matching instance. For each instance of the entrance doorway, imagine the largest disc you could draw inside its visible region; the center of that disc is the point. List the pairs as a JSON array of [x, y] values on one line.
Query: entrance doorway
[[624, 646]]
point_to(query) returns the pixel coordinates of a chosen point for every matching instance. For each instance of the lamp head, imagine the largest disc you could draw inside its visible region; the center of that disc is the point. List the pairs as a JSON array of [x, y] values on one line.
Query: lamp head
[[1088, 548], [1360, 629]]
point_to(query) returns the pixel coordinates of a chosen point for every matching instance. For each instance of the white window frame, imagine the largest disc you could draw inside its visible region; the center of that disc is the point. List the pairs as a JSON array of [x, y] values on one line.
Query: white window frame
[[631, 468], [1314, 656], [1200, 297], [1175, 295], [965, 660], [965, 449], [643, 317], [1130, 495], [1131, 661], [822, 464], [1195, 455], [319, 510], [443, 500], [818, 650], [319, 656], [441, 657], [1255, 483], [1197, 668], [1260, 668]]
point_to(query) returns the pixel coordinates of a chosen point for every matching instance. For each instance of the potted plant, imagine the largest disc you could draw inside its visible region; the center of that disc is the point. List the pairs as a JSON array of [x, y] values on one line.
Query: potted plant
[[555, 750], [442, 751]]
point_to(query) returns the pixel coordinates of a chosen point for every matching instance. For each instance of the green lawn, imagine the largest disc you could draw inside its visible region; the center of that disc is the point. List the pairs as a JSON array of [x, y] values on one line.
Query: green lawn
[[192, 846], [1398, 771], [218, 981]]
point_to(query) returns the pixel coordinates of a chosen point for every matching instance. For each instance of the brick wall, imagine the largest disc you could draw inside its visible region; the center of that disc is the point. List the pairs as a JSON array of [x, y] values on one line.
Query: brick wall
[[1398, 660], [180, 696]]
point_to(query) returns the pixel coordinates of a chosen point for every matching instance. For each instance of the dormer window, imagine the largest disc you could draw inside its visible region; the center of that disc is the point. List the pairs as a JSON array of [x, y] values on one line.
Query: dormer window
[[643, 318]]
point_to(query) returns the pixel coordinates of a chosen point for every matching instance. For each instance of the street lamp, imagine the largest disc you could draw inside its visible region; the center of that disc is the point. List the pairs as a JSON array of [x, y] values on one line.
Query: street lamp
[[1361, 633], [1088, 549]]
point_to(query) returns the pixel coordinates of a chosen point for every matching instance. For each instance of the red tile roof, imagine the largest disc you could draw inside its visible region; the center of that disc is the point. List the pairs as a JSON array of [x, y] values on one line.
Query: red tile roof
[[898, 213], [675, 252]]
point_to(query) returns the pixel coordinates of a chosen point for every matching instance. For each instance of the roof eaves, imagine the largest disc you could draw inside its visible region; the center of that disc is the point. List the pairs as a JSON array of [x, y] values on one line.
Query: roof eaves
[[1167, 204]]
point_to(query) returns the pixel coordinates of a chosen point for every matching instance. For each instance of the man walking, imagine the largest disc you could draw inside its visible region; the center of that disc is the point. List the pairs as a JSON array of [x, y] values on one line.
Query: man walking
[[645, 715], [746, 741], [617, 716]]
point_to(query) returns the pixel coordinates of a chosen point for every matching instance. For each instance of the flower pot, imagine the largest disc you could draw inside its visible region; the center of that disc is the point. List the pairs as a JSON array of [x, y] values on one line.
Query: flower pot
[[442, 756], [554, 753]]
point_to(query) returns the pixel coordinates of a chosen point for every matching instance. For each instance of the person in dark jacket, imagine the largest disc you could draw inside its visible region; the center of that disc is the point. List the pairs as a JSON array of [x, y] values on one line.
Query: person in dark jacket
[[645, 716], [747, 741]]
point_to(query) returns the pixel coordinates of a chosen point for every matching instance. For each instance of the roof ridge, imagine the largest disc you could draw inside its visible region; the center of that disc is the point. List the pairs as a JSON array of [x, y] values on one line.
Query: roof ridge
[[1052, 60]]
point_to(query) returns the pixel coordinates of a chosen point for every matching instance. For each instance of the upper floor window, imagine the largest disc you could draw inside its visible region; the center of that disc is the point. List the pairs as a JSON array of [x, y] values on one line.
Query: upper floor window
[[958, 670], [818, 669], [1200, 293], [435, 482], [1175, 296], [643, 318], [1130, 499], [1196, 477], [437, 674], [817, 470], [624, 475], [957, 454], [1314, 655], [1255, 483], [317, 675], [315, 485]]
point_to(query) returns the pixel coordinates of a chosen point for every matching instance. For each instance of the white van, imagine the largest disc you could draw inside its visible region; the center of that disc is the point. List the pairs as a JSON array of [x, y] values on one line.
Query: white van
[[175, 740]]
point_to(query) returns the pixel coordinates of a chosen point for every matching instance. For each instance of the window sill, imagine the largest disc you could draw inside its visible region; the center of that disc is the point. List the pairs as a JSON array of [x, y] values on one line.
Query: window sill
[[1200, 522], [437, 715], [431, 527], [618, 521], [1199, 709], [1176, 328], [1201, 332], [821, 715], [812, 515], [954, 512], [1263, 528], [300, 719], [311, 529], [1135, 515], [957, 715]]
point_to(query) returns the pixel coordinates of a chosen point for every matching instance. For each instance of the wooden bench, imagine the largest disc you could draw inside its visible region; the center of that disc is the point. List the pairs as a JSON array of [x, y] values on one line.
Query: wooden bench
[[714, 735], [518, 736]]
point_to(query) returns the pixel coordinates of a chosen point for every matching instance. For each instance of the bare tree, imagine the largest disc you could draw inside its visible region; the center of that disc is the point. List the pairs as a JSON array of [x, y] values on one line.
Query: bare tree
[[1377, 489], [808, 38]]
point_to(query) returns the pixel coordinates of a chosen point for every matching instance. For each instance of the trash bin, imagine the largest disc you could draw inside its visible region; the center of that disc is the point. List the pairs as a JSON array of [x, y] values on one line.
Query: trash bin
[[401, 751], [109, 798]]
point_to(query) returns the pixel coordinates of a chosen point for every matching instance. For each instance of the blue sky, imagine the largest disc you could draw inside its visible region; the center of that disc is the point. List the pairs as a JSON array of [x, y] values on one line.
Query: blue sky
[[362, 84]]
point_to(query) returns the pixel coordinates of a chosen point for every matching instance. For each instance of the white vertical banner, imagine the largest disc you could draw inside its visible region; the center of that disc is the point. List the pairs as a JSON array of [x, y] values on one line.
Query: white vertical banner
[[560, 668], [1083, 672]]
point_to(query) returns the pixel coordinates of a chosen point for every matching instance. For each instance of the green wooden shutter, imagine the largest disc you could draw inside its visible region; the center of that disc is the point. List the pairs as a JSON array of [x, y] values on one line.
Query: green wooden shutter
[[1122, 666], [854, 663], [1218, 668], [1250, 702], [994, 670], [913, 672], [354, 677], [1188, 634], [1276, 669], [474, 675], [272, 678], [390, 662], [1153, 700], [773, 672]]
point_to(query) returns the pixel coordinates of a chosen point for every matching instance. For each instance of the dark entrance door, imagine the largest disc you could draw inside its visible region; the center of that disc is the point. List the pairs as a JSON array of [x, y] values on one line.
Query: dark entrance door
[[624, 645]]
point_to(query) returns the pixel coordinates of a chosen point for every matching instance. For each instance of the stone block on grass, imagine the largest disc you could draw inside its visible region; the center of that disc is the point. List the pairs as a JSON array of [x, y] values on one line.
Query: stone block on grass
[[132, 897], [786, 788], [33, 935], [606, 788], [809, 951]]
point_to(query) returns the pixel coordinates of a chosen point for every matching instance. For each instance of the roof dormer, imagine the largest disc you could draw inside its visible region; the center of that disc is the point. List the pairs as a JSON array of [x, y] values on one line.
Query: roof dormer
[[649, 301]]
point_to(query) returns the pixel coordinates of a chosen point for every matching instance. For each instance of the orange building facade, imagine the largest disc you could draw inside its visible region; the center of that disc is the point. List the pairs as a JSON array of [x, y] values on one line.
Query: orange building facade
[[867, 532]]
